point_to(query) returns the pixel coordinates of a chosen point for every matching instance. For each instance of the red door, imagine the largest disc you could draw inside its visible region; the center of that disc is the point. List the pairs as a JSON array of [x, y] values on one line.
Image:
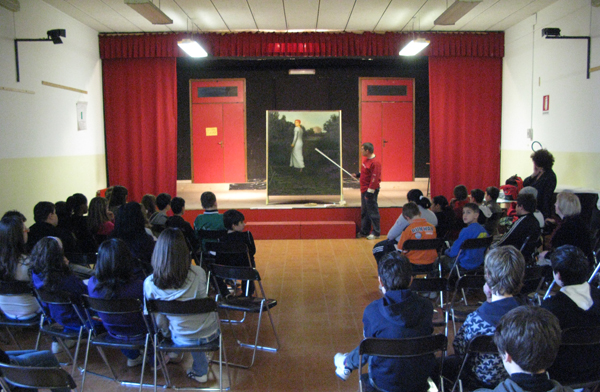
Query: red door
[[218, 131], [387, 121]]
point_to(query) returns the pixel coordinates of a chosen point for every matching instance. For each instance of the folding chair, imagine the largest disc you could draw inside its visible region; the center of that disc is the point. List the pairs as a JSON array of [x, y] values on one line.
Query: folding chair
[[482, 344], [436, 286], [432, 244], [35, 377], [231, 254], [534, 279], [472, 243], [402, 348], [126, 307], [461, 311], [17, 288], [48, 326], [208, 236], [584, 340], [186, 308], [246, 304]]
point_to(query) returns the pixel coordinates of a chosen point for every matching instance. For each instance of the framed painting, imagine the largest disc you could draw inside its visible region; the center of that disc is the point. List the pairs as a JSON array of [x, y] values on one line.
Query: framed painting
[[303, 153]]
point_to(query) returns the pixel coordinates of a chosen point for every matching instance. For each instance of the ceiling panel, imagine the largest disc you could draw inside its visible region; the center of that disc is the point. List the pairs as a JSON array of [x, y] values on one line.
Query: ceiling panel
[[399, 15], [268, 14], [366, 14], [236, 14], [298, 15], [334, 14], [301, 14], [203, 15]]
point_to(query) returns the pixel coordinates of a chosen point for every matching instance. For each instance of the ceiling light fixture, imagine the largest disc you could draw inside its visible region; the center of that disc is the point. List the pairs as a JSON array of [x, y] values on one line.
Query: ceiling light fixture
[[414, 47], [148, 10], [53, 35], [301, 72], [11, 5], [192, 48], [456, 11]]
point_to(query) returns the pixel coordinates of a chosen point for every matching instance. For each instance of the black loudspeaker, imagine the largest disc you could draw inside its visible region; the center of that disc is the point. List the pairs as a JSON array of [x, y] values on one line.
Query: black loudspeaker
[[551, 32]]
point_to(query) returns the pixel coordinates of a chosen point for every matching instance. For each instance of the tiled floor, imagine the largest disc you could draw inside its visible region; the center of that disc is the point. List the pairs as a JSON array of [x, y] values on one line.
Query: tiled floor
[[322, 288]]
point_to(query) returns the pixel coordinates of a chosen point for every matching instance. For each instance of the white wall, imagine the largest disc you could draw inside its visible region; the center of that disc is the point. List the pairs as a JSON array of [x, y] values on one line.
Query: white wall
[[535, 67], [42, 154]]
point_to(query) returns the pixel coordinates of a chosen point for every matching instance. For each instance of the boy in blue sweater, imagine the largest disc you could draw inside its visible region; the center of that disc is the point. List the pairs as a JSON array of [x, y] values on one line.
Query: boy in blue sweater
[[470, 258], [399, 314]]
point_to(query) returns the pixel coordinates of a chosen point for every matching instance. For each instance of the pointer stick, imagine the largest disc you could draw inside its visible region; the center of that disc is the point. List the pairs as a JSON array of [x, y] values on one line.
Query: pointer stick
[[331, 160]]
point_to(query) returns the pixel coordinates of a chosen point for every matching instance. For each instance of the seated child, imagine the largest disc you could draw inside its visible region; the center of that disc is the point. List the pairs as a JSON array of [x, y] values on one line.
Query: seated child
[[504, 271], [50, 272], [418, 229], [399, 314], [114, 277], [459, 200], [577, 304], [491, 197], [178, 208], [528, 339], [158, 220], [176, 279], [446, 219], [471, 258], [210, 219], [234, 223], [477, 197]]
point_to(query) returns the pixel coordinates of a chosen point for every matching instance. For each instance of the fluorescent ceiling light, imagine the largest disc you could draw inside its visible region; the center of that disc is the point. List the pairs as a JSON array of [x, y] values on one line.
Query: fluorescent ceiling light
[[192, 48], [301, 72], [414, 47], [11, 5], [148, 10], [456, 11]]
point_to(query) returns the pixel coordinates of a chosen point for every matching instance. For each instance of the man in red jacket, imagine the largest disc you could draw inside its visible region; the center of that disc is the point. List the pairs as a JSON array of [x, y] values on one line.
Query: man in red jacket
[[370, 177]]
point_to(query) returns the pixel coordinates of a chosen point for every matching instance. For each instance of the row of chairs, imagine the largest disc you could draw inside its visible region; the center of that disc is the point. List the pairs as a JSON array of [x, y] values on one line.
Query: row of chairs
[[91, 306], [483, 344]]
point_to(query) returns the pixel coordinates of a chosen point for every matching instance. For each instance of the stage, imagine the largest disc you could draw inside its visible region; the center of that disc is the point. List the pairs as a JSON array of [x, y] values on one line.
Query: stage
[[299, 217]]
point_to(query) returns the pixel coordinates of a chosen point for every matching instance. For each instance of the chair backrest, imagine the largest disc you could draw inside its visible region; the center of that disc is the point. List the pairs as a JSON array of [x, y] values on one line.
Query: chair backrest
[[429, 284], [403, 348], [234, 273], [15, 287], [112, 306], [430, 244], [470, 282], [211, 234], [37, 377], [580, 336], [56, 297], [476, 243], [482, 344], [179, 308], [230, 253]]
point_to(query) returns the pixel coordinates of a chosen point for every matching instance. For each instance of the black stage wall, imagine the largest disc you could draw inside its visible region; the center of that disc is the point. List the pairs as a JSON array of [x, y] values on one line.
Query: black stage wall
[[270, 87]]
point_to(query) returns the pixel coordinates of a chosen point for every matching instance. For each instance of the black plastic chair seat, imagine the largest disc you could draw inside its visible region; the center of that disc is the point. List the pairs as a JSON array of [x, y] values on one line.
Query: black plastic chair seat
[[247, 304], [37, 377], [9, 322], [169, 345], [105, 340]]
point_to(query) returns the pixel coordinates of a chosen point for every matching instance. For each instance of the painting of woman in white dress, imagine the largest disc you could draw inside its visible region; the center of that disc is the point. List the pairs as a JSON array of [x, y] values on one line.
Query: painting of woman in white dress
[[297, 159]]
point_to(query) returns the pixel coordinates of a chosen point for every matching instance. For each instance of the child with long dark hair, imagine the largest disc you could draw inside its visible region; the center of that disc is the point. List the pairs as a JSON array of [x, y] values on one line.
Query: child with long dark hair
[[176, 279], [14, 266], [115, 278], [51, 272]]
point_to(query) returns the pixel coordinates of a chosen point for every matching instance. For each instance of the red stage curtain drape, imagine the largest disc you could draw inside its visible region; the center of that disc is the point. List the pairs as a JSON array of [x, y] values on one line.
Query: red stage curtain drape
[[465, 115], [366, 44], [140, 105]]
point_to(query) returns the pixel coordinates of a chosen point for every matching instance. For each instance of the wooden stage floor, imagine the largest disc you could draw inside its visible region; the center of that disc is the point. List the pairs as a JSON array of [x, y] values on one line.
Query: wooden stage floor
[[392, 194]]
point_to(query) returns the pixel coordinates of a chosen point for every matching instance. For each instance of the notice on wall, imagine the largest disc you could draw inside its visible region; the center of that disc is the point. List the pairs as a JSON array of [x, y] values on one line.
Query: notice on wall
[[546, 104], [81, 116], [211, 131]]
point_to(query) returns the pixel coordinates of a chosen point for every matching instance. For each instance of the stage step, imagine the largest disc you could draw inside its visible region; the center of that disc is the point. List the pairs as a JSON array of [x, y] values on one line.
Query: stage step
[[302, 230]]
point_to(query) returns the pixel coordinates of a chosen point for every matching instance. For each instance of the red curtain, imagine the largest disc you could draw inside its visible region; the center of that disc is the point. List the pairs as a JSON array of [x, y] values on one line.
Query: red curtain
[[140, 105], [465, 114], [366, 44]]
